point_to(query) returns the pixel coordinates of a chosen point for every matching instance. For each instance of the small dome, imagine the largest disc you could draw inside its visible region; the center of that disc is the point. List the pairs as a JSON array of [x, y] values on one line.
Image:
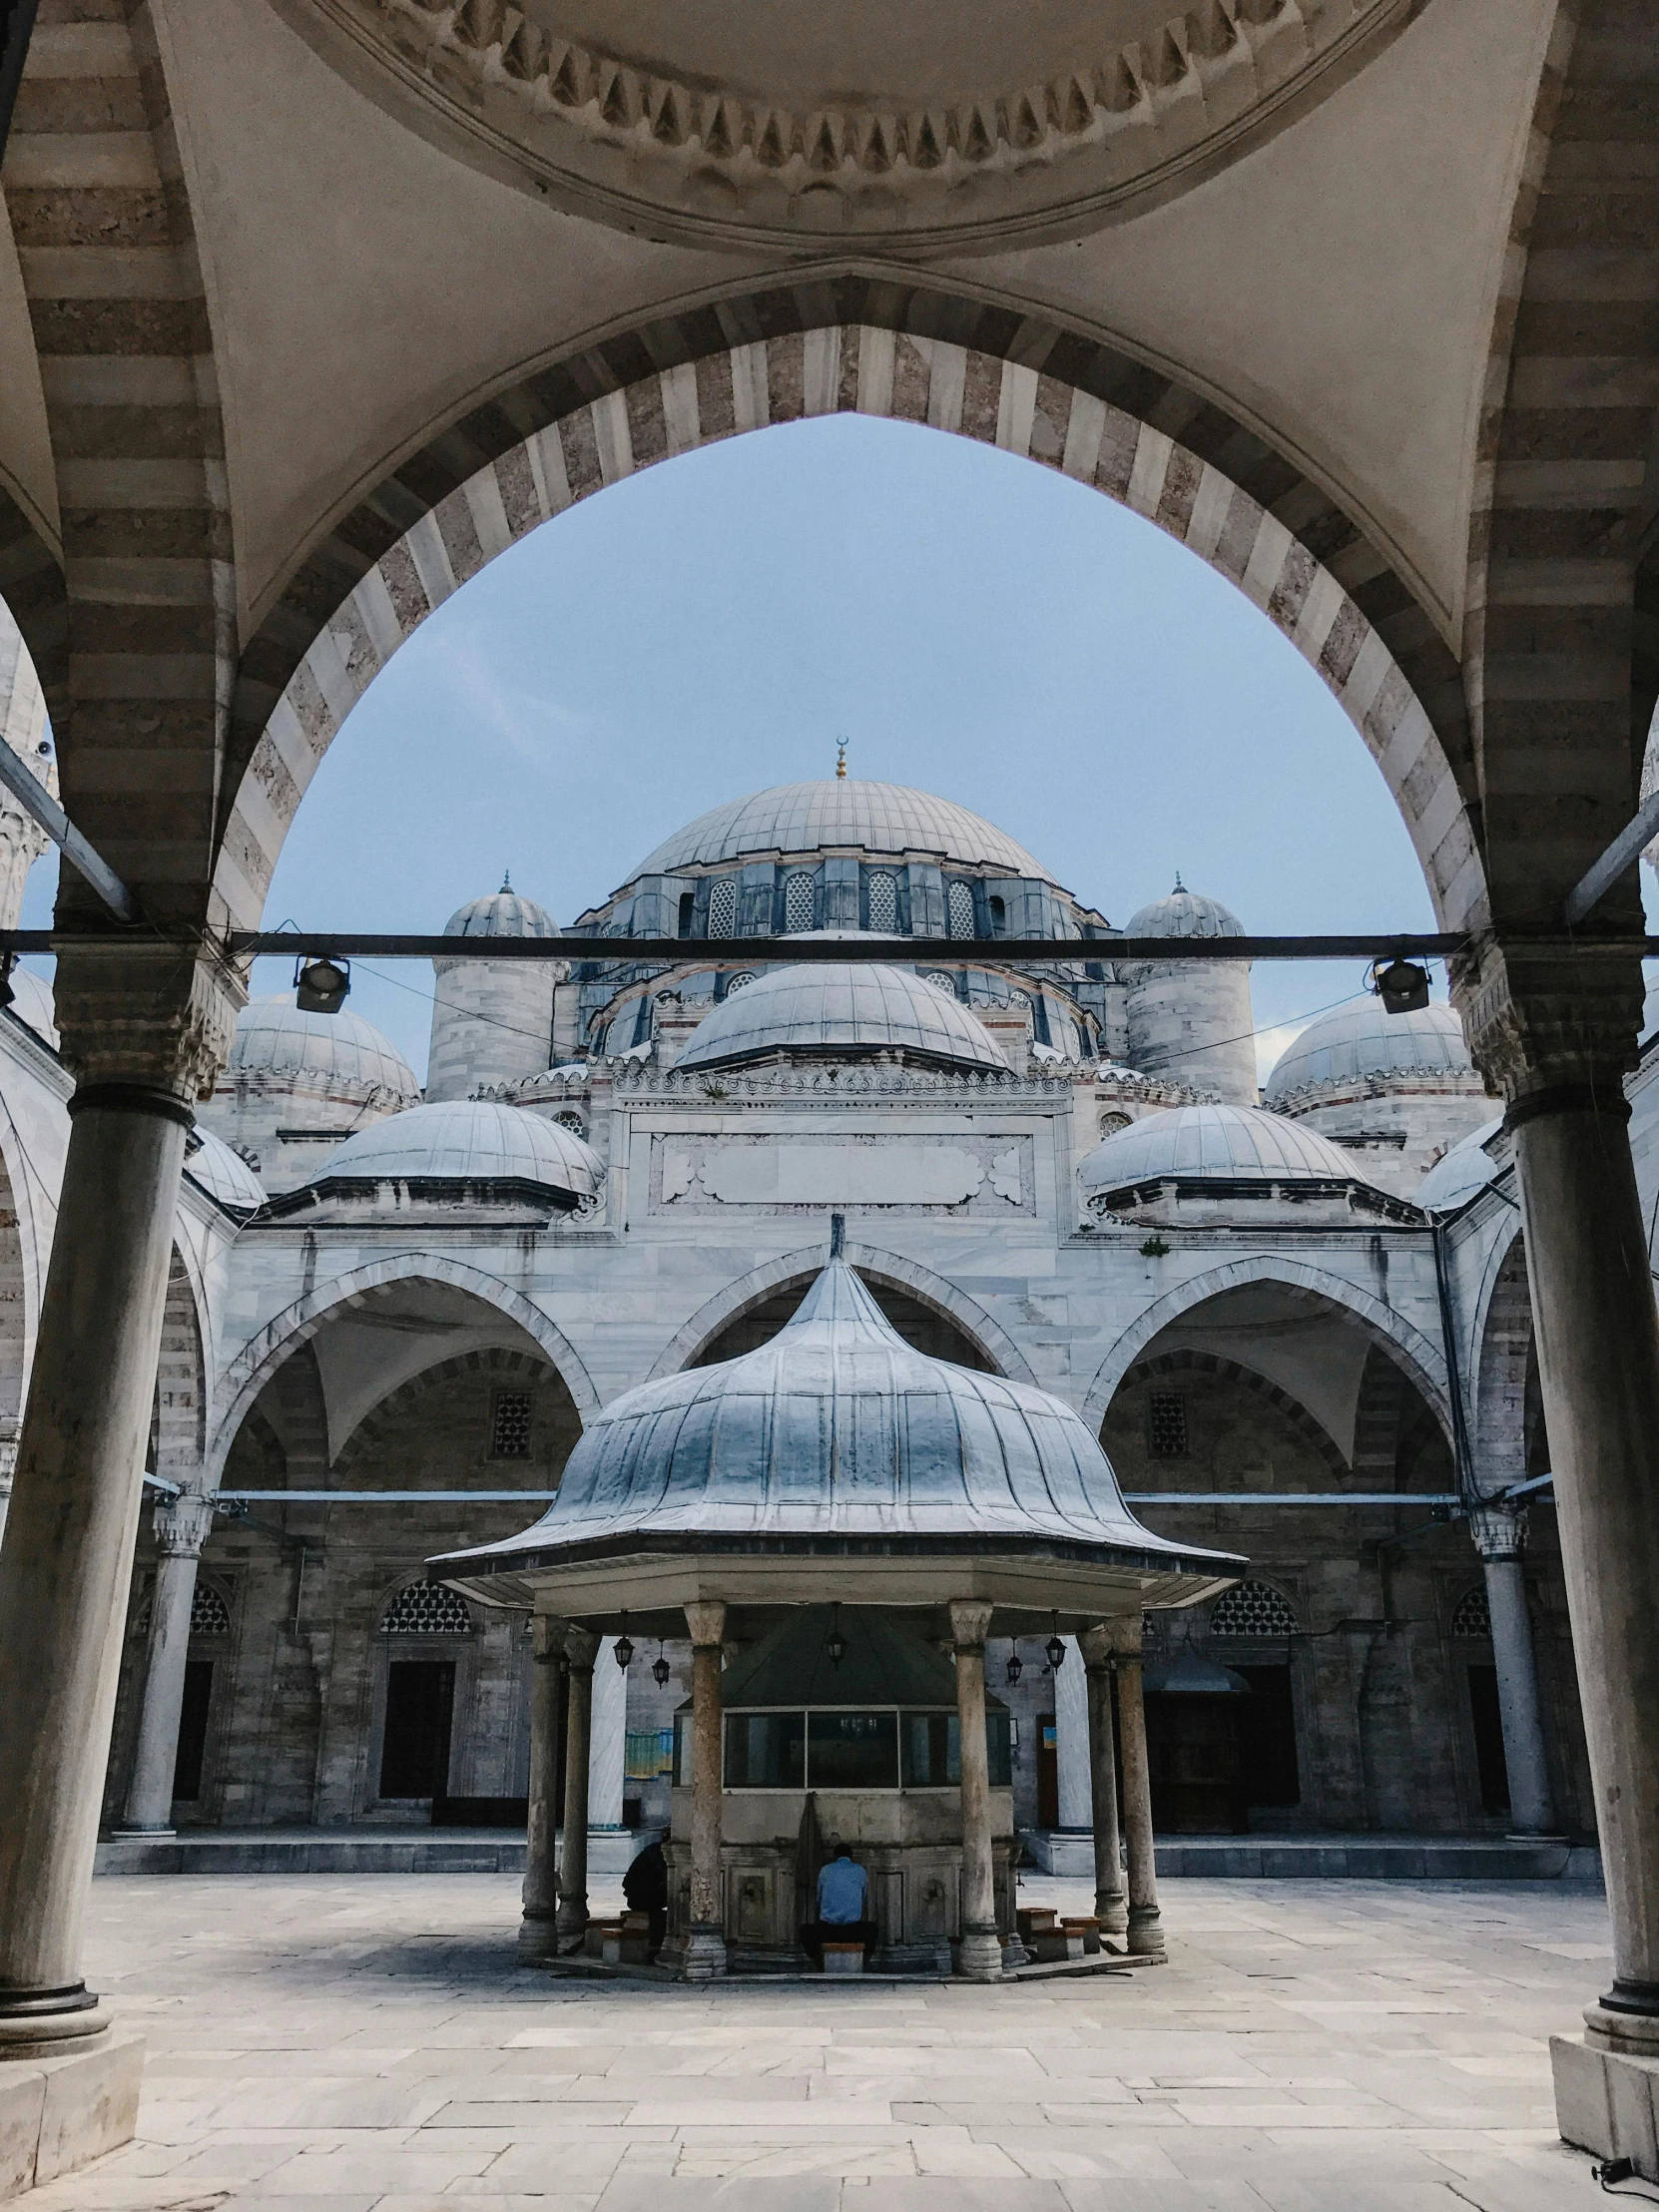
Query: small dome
[[33, 1004], [1457, 1174], [210, 1162], [274, 1038], [1184, 914], [502, 913], [1360, 1038], [466, 1141], [863, 1006], [1231, 1143], [841, 814]]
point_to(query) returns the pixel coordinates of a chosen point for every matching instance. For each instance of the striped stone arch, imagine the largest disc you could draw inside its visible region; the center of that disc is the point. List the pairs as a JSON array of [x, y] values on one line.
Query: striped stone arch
[[871, 346], [920, 1282], [1189, 1361], [248, 1374], [1407, 1345]]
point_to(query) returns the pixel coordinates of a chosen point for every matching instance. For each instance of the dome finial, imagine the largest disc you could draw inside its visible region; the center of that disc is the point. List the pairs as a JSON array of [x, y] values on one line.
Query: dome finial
[[840, 760], [1179, 885], [506, 879]]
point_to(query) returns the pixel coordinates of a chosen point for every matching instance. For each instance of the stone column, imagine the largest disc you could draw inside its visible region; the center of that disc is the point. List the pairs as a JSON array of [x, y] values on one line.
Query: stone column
[[581, 1648], [181, 1525], [8, 1467], [1558, 1033], [1500, 1533], [537, 1932], [1110, 1902], [705, 1954], [607, 1753], [1071, 1734], [1145, 1933], [980, 1953]]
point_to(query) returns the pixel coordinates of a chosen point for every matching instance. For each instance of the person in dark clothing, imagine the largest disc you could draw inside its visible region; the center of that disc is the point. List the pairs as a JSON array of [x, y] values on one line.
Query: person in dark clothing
[[843, 1887], [645, 1886]]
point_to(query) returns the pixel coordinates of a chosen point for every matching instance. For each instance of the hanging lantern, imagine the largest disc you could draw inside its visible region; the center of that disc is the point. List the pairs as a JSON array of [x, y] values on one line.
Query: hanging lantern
[[660, 1668], [835, 1643], [624, 1649], [1055, 1647], [1016, 1665]]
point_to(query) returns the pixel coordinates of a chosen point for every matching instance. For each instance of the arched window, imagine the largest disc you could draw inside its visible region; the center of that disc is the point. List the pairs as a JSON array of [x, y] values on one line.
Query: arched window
[[688, 909], [425, 1609], [798, 902], [998, 911], [1111, 1119], [723, 909], [738, 982], [1253, 1609], [959, 910], [882, 899], [941, 978], [573, 1123], [1470, 1616], [208, 1614]]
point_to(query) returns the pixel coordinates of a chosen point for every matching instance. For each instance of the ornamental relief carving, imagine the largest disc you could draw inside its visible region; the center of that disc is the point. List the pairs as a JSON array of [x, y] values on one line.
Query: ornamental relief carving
[[991, 1175]]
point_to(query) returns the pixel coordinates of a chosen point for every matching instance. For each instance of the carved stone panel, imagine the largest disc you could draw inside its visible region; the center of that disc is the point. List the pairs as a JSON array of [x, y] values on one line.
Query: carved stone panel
[[786, 1172]]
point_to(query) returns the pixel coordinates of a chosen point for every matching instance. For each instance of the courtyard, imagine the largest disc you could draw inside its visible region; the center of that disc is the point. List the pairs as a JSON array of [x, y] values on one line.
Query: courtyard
[[372, 2043]]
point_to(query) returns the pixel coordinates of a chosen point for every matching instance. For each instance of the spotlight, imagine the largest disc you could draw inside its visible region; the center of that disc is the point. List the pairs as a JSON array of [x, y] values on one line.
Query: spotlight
[[624, 1649], [320, 987], [1055, 1648], [1401, 985]]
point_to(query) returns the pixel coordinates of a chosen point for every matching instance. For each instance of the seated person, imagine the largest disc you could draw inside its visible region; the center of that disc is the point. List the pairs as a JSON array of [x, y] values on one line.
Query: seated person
[[645, 1886], [842, 1889]]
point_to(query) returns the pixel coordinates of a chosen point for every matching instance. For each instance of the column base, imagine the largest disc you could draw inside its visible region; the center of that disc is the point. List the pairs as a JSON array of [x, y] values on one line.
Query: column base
[[538, 1937], [570, 1926], [1605, 2101], [1111, 1909], [703, 1956], [67, 2108], [979, 1954], [1143, 1932]]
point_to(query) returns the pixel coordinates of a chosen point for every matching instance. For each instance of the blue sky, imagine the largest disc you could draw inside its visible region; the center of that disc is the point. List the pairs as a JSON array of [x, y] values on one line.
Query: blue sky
[[969, 622]]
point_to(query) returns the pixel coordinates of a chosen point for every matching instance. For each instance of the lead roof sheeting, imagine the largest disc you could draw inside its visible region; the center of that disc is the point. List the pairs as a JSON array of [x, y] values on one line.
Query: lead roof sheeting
[[1226, 1142], [855, 1006], [1457, 1176], [869, 817], [501, 914], [1361, 1038], [274, 1036], [467, 1140]]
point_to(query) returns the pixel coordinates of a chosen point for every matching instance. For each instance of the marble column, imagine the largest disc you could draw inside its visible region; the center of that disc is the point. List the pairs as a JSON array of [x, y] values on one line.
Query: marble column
[[581, 1649], [537, 1932], [1145, 1934], [1499, 1534], [980, 1952], [66, 1565], [1071, 1739], [1111, 1903], [181, 1525], [607, 1754], [704, 1957]]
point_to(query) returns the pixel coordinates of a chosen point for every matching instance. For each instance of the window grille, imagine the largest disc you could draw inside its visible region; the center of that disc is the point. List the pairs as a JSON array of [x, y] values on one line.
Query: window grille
[[425, 1609], [959, 910], [1112, 1120], [723, 909], [573, 1122], [208, 1614], [1166, 1426], [941, 977], [883, 900], [740, 981], [510, 1424], [1470, 1616], [798, 902], [1253, 1609]]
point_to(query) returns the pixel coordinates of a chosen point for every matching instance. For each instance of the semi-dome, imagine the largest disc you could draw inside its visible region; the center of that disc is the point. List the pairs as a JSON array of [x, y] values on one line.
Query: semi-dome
[[274, 1038], [466, 1141], [1184, 914], [1361, 1038], [842, 1007], [1458, 1173], [502, 913], [837, 814], [1229, 1143], [837, 1435], [210, 1162]]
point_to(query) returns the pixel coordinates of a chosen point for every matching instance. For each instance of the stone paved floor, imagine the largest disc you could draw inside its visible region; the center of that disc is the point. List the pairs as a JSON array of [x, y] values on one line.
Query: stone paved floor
[[368, 2043]]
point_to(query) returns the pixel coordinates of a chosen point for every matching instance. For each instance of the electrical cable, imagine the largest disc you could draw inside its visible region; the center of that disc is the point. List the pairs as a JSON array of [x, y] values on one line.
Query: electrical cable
[[1613, 2170]]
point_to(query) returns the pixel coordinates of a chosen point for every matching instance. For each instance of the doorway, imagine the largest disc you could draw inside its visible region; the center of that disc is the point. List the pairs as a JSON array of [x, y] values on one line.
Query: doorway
[[192, 1753], [1489, 1763], [1267, 1738], [414, 1748]]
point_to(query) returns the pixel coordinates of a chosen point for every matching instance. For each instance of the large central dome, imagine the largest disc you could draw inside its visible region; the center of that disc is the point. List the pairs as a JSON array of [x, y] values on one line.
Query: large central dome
[[841, 814]]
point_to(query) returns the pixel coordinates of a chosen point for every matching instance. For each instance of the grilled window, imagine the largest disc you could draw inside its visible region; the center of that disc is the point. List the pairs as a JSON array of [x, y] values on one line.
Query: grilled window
[[1470, 1615], [425, 1609], [1166, 1426], [959, 911], [723, 909], [510, 1424], [1253, 1609], [883, 900], [208, 1614], [738, 982], [798, 902]]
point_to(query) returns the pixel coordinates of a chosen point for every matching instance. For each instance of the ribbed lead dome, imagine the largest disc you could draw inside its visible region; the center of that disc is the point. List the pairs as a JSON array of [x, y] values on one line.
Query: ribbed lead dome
[[855, 1006], [1457, 1174], [466, 1141], [275, 1039], [501, 914], [837, 814], [837, 1426], [1361, 1038], [1231, 1143], [1184, 914]]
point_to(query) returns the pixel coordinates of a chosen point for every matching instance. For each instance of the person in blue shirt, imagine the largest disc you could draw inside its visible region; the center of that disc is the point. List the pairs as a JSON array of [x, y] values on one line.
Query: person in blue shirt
[[843, 1887]]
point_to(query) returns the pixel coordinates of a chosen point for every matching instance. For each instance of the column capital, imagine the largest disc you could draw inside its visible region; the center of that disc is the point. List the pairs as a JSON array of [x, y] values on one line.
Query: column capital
[[155, 1017], [549, 1635], [1549, 1018], [706, 1619], [183, 1524], [581, 1648], [1499, 1531], [970, 1619], [1097, 1646]]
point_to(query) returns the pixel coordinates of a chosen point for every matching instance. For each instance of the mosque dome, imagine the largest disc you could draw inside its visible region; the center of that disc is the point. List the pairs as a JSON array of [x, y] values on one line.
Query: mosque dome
[[501, 914], [837, 814], [1360, 1038], [1184, 914], [466, 1141], [273, 1038], [1229, 1143], [33, 1004], [1457, 1174], [210, 1162], [855, 1006], [834, 1429]]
